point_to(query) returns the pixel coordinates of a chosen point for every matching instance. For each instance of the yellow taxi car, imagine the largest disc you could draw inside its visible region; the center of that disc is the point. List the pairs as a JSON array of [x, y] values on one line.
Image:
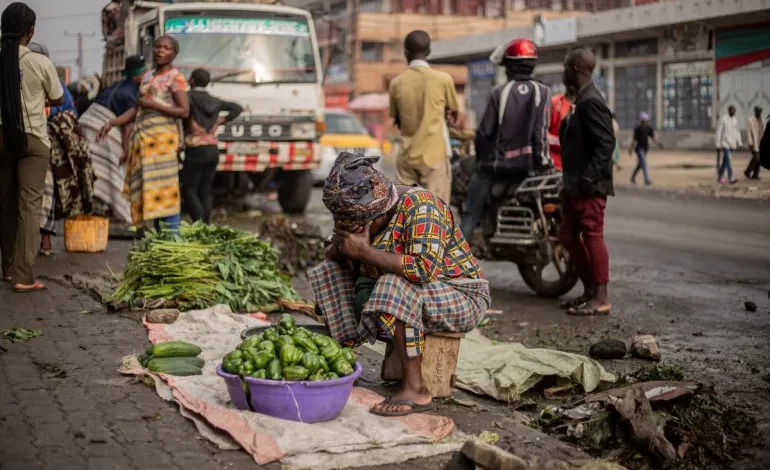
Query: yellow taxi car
[[344, 133]]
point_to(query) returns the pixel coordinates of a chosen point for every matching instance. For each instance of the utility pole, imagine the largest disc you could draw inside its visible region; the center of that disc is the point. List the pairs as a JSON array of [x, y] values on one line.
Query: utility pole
[[80, 61]]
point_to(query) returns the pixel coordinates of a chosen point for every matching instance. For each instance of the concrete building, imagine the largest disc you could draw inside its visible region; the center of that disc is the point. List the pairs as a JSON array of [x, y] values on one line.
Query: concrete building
[[684, 62]]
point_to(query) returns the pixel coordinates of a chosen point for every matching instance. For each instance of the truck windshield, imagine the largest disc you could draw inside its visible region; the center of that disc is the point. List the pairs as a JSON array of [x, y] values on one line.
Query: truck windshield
[[341, 123], [245, 50]]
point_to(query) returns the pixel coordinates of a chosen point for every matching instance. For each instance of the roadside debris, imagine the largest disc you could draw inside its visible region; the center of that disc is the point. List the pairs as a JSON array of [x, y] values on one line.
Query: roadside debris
[[20, 335], [608, 349], [645, 347], [299, 243], [54, 370], [163, 315], [636, 409], [750, 306]]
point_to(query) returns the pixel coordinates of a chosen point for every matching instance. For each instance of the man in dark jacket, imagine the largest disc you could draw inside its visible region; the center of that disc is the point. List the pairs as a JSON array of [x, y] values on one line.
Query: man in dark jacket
[[587, 141], [201, 145], [512, 138]]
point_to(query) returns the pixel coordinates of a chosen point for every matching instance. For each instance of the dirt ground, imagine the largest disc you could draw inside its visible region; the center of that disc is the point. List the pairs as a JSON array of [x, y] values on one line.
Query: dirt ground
[[682, 267]]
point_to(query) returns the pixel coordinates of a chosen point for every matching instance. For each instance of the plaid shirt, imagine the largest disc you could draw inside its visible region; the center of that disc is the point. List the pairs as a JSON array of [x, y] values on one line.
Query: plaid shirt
[[424, 231]]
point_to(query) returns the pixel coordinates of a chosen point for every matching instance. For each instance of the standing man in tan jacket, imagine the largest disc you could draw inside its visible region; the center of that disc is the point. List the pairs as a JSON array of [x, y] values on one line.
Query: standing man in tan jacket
[[755, 131], [421, 101]]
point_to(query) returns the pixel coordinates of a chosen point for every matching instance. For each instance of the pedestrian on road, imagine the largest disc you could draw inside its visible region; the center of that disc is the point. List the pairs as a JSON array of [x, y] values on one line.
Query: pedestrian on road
[[587, 143], [512, 138], [201, 145], [728, 139], [560, 106], [421, 98], [641, 145], [152, 173], [28, 83], [755, 132]]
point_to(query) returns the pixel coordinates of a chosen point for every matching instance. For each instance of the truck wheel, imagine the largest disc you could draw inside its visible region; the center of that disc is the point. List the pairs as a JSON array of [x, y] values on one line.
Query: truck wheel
[[548, 288], [294, 193]]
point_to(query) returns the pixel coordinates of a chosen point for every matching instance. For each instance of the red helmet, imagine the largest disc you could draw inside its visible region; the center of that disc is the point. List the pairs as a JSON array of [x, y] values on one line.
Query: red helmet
[[521, 48]]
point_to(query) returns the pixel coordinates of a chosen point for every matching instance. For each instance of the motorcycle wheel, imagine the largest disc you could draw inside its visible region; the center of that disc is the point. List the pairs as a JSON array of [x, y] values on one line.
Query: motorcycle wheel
[[533, 279]]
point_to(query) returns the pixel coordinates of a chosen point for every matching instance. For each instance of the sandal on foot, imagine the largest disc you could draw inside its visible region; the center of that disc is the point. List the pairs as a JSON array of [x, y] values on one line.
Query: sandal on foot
[[37, 286], [45, 253], [572, 303], [413, 408], [588, 310]]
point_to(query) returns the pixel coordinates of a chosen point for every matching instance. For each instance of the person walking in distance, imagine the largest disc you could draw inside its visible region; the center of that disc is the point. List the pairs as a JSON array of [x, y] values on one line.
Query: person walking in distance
[[28, 84], [640, 145], [755, 132], [421, 99], [728, 139], [587, 142], [201, 145]]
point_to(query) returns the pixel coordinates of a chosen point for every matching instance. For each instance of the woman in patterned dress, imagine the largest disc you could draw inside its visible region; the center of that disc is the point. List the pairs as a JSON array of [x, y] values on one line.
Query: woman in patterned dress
[[397, 268], [152, 174]]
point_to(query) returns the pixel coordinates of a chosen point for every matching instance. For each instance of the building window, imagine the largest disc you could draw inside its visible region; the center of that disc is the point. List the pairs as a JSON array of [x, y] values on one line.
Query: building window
[[687, 95], [371, 51], [395, 51], [635, 88], [640, 48], [371, 6]]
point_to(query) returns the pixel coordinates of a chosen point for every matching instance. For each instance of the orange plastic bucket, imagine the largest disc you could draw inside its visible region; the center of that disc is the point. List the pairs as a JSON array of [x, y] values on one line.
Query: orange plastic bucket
[[86, 233]]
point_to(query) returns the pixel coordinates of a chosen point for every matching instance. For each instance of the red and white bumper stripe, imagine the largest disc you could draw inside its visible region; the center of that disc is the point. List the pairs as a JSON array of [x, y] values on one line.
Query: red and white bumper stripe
[[286, 155]]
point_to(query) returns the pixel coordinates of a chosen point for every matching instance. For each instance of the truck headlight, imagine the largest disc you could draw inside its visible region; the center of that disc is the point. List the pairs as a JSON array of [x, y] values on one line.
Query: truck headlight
[[303, 131]]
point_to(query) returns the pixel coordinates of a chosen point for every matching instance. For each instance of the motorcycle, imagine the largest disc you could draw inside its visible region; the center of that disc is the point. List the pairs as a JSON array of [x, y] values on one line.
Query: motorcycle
[[520, 224]]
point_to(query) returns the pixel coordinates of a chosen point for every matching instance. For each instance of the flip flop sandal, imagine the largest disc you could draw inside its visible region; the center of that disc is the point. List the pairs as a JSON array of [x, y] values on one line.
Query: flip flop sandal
[[588, 310], [45, 253], [37, 286], [572, 303], [413, 408]]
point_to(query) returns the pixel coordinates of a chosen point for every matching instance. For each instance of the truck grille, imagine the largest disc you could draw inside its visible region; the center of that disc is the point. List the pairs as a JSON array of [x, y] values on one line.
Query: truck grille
[[515, 226]]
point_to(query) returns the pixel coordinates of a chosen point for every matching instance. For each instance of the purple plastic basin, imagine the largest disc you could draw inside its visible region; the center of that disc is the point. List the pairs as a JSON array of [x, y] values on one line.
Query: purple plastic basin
[[235, 389], [306, 401]]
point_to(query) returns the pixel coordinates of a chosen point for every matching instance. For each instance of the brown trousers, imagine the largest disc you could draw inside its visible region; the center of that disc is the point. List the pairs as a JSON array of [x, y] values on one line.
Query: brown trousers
[[436, 180], [22, 183]]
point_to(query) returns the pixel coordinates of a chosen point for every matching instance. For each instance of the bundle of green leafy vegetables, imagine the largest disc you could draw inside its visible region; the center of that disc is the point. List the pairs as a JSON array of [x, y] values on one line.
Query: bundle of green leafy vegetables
[[204, 265]]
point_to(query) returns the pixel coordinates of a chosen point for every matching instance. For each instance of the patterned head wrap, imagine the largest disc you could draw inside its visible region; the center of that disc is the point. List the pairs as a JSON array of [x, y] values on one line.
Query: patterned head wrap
[[355, 191]]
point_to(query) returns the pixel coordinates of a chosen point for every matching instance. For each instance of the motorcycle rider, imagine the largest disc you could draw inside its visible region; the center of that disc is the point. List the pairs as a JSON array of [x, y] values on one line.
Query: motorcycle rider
[[512, 137]]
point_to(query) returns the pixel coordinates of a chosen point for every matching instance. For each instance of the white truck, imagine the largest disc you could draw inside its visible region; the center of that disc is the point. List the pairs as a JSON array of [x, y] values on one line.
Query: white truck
[[264, 57]]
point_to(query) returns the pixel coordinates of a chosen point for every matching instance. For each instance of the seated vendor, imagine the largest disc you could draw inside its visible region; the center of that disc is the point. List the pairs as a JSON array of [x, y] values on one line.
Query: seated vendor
[[397, 268]]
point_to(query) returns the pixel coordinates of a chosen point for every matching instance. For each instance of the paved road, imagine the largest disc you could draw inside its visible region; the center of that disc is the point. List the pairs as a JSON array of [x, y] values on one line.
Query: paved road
[[680, 265]]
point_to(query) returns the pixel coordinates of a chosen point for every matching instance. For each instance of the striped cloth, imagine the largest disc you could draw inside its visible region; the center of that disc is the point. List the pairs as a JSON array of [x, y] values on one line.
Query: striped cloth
[[48, 216], [455, 305], [105, 159]]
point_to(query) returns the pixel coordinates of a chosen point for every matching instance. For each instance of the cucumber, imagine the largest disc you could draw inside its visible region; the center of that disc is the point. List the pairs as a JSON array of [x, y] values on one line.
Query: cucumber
[[144, 359], [149, 349], [174, 367], [171, 361], [175, 349]]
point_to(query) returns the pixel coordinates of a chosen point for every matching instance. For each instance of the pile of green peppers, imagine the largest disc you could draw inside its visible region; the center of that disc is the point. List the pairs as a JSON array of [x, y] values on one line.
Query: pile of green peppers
[[288, 352]]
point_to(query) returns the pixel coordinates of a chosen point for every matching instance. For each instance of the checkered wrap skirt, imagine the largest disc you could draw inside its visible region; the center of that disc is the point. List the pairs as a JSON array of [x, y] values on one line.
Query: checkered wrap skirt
[[456, 305], [48, 216]]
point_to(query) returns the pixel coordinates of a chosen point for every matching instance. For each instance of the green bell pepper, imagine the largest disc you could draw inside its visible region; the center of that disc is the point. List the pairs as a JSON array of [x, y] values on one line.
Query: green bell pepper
[[349, 356], [324, 363], [301, 330], [274, 371], [237, 354], [287, 322], [311, 362], [270, 334], [305, 343], [259, 374], [322, 340], [342, 367], [262, 359], [283, 340], [332, 376], [232, 366], [318, 376], [331, 352], [295, 373], [290, 355], [267, 346]]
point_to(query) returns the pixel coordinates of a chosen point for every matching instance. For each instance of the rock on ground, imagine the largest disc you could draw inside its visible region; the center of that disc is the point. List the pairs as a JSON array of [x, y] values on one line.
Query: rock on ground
[[163, 315], [645, 347], [608, 349]]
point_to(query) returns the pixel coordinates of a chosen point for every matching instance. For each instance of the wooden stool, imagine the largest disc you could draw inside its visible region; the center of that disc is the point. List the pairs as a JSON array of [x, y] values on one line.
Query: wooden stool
[[439, 363]]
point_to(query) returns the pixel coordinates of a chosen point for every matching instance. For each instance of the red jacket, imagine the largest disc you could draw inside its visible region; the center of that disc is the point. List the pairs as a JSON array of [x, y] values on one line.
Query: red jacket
[[559, 109]]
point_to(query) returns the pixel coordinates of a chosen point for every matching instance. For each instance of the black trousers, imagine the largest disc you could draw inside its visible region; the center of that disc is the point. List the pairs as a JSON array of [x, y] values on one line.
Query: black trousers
[[752, 171], [197, 178]]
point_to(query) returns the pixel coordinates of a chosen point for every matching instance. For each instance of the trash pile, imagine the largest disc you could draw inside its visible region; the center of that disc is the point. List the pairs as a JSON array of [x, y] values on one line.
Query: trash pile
[[200, 266], [654, 419], [300, 243]]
